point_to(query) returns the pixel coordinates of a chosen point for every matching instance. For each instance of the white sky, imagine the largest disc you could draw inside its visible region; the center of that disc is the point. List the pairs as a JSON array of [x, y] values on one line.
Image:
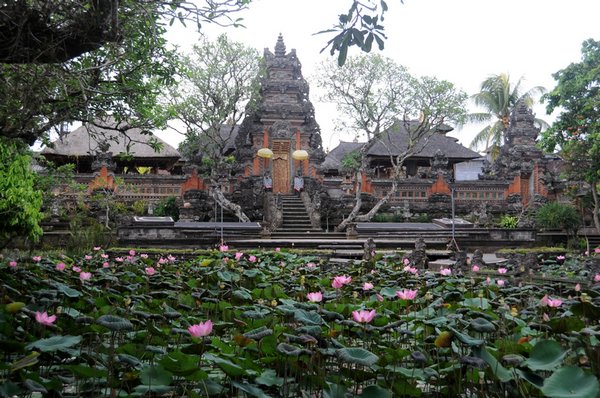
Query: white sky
[[462, 41]]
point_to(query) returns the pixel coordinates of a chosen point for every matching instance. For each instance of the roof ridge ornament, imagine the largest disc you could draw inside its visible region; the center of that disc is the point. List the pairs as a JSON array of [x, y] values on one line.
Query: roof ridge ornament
[[280, 47]]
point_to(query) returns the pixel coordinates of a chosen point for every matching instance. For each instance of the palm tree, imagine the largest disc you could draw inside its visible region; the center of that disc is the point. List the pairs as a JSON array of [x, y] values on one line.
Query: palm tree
[[498, 98]]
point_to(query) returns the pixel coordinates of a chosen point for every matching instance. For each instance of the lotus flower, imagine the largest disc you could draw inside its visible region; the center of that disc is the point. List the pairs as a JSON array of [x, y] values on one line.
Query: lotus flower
[[597, 278], [105, 264], [132, 252], [60, 266], [500, 282], [446, 271], [475, 268], [278, 249], [87, 257], [171, 258], [560, 258], [252, 259], [43, 319], [363, 316], [315, 297], [84, 276], [502, 270], [144, 256], [150, 271], [201, 329], [37, 259], [549, 302], [578, 287], [12, 264], [96, 248], [76, 269], [406, 261], [119, 259], [104, 256], [367, 286], [341, 280], [597, 250], [223, 248], [311, 265], [162, 260], [238, 255], [407, 294]]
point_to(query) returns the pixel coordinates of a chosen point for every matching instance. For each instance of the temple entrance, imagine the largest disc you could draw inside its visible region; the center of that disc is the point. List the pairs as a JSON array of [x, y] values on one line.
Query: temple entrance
[[281, 167]]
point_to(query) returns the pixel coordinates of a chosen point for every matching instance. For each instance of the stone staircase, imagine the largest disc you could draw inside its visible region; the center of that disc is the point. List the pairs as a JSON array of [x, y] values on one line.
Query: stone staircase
[[296, 221]]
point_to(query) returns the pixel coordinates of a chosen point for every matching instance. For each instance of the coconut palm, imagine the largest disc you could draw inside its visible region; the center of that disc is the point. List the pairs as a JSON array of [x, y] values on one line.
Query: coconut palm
[[498, 98]]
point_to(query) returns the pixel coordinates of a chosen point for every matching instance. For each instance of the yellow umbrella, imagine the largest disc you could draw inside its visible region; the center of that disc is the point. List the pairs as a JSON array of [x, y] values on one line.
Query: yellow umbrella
[[300, 154], [265, 153]]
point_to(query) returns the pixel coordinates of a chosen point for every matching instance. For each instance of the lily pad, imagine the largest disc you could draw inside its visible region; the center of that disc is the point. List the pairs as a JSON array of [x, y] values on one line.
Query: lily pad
[[115, 323], [358, 356], [545, 355], [374, 391], [571, 382], [258, 333], [482, 325], [55, 343]]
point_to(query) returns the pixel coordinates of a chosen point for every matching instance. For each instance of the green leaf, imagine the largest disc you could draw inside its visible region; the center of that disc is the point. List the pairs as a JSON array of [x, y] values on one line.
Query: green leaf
[[357, 355], [250, 389], [269, 378], [66, 290], [155, 375], [466, 339], [571, 382], [29, 360], [242, 294], [374, 391], [55, 343], [311, 318], [258, 333], [335, 391], [180, 364], [230, 368], [114, 323], [482, 325], [545, 355], [478, 302], [499, 371]]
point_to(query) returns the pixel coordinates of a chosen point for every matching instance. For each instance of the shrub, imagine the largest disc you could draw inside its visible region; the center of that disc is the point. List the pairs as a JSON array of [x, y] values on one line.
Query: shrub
[[507, 221], [556, 215], [139, 207], [167, 208]]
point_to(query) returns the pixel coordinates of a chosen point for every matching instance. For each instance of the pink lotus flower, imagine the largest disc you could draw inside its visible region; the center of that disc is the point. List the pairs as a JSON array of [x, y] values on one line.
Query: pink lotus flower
[[60, 266], [96, 248], [367, 286], [315, 297], [340, 281], [132, 252], [578, 287], [119, 259], [105, 264], [43, 319], [475, 268], [150, 271], [37, 259], [104, 256], [379, 297], [406, 261], [311, 265], [76, 269], [252, 259], [502, 270], [87, 257], [560, 258], [549, 302], [84, 276], [162, 260], [545, 317], [407, 294], [488, 280], [410, 269], [171, 258], [446, 271], [12, 264], [223, 248], [363, 316], [238, 255], [144, 256], [597, 250], [597, 278], [201, 329], [129, 258], [500, 282], [278, 249]]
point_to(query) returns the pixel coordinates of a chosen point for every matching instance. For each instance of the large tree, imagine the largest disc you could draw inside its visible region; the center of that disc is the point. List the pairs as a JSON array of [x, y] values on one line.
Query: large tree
[[498, 97], [373, 93], [576, 130], [219, 79]]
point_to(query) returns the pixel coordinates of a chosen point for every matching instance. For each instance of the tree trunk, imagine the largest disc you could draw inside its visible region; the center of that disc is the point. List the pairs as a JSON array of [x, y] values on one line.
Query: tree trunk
[[369, 216], [357, 204], [596, 217], [218, 196]]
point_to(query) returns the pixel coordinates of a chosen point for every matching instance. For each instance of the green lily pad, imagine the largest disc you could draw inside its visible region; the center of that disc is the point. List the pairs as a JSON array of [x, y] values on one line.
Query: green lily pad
[[482, 325], [308, 317], [115, 323], [230, 368], [374, 391], [155, 374], [269, 378], [571, 382], [55, 343], [29, 360], [357, 355], [258, 333], [545, 355]]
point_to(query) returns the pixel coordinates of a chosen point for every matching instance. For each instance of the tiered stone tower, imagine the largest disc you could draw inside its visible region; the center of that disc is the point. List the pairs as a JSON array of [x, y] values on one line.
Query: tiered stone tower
[[283, 120]]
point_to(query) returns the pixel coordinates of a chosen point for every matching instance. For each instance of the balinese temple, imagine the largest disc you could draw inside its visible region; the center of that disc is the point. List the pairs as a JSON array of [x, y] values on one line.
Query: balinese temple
[[281, 137]]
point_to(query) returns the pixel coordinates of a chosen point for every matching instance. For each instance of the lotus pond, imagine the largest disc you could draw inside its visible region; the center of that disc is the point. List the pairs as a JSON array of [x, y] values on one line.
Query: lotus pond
[[280, 324]]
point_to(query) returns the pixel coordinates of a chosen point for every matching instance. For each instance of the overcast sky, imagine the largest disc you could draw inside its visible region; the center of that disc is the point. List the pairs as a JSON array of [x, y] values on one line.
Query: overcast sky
[[462, 41]]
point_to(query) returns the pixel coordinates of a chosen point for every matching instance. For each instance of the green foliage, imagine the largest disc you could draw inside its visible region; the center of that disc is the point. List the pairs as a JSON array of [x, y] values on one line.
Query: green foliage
[[20, 203], [139, 207], [85, 232], [167, 207], [554, 215], [351, 161], [508, 221]]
